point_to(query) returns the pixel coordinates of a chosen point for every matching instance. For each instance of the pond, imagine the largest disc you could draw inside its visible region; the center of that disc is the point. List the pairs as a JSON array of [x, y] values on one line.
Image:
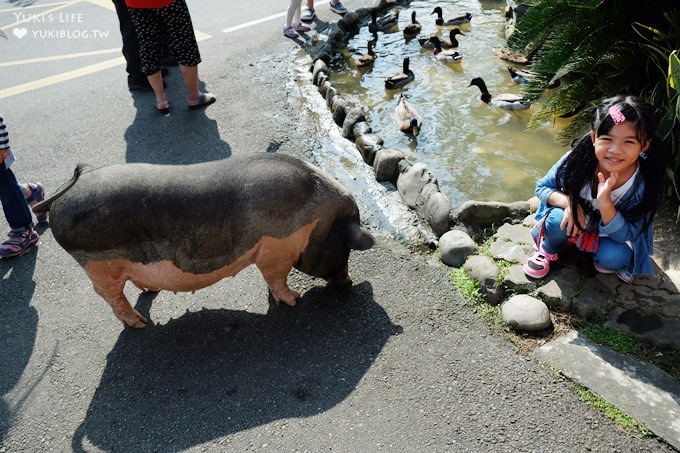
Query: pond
[[477, 152]]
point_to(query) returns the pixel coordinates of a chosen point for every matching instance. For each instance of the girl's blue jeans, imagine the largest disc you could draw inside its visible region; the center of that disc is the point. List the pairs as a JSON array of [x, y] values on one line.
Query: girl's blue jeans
[[610, 255], [14, 204]]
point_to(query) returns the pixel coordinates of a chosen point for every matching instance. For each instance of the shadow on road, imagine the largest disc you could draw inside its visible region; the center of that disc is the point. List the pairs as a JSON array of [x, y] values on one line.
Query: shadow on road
[[183, 137], [18, 329], [212, 373]]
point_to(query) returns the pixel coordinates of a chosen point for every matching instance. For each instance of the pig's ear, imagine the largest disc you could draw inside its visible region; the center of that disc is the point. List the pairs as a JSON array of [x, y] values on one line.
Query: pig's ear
[[358, 238]]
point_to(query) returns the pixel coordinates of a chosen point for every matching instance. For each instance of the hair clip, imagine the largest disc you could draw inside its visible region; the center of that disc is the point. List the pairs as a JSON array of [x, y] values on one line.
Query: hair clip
[[616, 115]]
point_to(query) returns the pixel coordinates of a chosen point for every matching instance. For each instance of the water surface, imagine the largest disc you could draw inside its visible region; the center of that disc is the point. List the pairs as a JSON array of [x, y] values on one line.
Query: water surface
[[476, 151]]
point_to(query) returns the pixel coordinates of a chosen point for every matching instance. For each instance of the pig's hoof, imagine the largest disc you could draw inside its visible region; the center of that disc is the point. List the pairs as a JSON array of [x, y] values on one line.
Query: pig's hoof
[[136, 320], [289, 298]]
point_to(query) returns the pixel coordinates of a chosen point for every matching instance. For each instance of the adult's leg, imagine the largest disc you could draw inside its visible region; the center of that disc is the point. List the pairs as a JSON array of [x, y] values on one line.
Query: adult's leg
[[148, 28], [136, 78]]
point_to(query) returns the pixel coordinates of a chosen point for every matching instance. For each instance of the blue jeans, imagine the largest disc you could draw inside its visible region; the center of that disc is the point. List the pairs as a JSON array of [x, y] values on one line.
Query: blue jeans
[[611, 255], [14, 204]]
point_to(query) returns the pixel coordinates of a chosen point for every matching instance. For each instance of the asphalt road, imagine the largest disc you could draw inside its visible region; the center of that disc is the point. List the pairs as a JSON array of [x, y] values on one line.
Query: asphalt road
[[396, 363]]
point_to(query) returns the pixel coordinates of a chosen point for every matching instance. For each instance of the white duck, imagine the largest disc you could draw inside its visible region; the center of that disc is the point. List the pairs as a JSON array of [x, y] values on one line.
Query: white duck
[[505, 101]]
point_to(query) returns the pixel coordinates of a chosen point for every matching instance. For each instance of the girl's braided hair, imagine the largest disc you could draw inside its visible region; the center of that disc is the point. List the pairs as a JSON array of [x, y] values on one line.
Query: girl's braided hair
[[579, 168]]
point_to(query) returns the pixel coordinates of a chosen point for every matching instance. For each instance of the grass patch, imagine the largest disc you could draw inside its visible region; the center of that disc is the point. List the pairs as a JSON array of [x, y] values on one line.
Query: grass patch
[[610, 411], [627, 343], [470, 288]]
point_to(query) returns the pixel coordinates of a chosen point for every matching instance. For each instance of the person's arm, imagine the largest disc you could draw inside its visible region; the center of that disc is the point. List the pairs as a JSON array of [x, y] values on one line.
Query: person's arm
[[4, 141]]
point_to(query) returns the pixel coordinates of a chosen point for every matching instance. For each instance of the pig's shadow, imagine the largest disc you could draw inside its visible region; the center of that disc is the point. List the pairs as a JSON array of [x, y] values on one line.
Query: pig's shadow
[[215, 372]]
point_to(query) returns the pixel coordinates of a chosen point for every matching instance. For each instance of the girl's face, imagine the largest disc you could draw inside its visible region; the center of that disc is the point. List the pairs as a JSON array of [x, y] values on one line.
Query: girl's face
[[617, 151]]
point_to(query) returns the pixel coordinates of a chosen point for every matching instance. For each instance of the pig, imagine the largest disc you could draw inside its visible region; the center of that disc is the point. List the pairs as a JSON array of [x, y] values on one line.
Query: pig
[[185, 227]]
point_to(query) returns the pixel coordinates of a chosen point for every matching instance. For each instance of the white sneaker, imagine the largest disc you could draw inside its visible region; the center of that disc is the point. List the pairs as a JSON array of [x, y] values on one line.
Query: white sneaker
[[307, 14]]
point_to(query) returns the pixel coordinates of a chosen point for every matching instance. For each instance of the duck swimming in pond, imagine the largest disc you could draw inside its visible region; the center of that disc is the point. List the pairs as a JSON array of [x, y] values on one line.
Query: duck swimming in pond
[[367, 59], [385, 24], [407, 116], [459, 20], [505, 101], [400, 79], [451, 43], [445, 56], [414, 28], [523, 77]]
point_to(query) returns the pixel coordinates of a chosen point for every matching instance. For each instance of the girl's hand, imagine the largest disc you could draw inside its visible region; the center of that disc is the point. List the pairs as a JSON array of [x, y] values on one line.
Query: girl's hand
[[605, 186], [569, 225]]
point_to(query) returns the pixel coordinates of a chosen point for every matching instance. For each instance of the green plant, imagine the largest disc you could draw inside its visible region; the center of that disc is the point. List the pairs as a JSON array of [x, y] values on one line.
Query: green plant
[[619, 341], [627, 343], [470, 288], [607, 409], [598, 49], [610, 411]]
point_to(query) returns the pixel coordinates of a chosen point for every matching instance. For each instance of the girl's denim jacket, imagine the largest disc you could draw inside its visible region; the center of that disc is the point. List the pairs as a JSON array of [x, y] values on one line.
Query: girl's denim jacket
[[619, 229]]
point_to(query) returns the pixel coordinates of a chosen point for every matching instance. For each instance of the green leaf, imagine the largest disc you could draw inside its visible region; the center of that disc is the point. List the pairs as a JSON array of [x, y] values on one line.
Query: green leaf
[[674, 70]]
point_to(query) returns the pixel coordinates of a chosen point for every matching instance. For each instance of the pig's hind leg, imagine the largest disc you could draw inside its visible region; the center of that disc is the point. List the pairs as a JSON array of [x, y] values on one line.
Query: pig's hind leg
[[108, 281], [276, 257]]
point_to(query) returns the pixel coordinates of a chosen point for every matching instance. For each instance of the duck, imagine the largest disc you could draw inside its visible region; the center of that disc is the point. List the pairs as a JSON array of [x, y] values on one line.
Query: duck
[[459, 20], [400, 79], [446, 56], [369, 57], [407, 116], [384, 24], [521, 77], [504, 101], [452, 43], [414, 28]]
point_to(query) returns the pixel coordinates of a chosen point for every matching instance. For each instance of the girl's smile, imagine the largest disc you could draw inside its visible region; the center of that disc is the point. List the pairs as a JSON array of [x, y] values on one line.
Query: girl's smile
[[618, 150]]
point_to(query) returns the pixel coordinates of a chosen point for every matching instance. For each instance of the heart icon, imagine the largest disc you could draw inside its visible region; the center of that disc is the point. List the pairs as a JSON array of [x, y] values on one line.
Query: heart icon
[[19, 32]]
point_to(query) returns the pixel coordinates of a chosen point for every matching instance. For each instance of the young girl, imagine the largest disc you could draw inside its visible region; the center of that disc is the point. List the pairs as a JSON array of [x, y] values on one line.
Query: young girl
[[603, 194], [16, 199], [290, 30]]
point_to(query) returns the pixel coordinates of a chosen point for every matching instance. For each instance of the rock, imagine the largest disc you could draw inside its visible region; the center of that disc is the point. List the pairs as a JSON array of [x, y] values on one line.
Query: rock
[[517, 281], [518, 210], [361, 128], [552, 295], [508, 251], [438, 210], [483, 213], [354, 116], [483, 270], [368, 145], [323, 88], [331, 94], [386, 164], [320, 67], [455, 246], [411, 181], [423, 198], [339, 110], [517, 234], [349, 23], [523, 312], [322, 51], [593, 301], [323, 78]]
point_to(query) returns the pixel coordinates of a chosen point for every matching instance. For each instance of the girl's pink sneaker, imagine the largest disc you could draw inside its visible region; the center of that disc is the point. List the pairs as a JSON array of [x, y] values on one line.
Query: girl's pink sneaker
[[538, 263]]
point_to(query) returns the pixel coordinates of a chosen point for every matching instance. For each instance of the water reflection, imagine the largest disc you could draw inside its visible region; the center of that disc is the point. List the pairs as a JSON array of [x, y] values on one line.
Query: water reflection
[[476, 151]]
